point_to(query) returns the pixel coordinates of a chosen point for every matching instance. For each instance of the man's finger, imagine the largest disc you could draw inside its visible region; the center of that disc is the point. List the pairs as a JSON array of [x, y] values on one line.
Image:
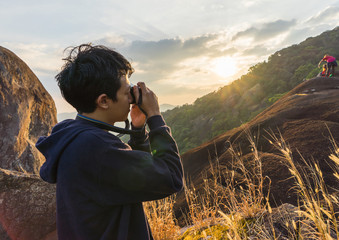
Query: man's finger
[[142, 85], [136, 93]]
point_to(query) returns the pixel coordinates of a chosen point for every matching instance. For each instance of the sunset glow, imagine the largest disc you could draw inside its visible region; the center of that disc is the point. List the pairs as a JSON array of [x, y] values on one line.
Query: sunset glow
[[174, 46], [224, 67]]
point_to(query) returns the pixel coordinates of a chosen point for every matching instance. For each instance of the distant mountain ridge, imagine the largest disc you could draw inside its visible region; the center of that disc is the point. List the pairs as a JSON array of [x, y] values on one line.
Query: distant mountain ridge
[[243, 99], [72, 115]]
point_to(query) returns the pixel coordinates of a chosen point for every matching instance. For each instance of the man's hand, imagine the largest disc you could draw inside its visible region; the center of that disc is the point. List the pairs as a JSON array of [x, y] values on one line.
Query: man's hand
[[149, 104], [137, 116], [149, 100]]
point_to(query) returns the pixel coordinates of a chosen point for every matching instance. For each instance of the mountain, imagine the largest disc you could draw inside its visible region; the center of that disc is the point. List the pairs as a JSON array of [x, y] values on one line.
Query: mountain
[[307, 118], [240, 101], [72, 115], [165, 107]]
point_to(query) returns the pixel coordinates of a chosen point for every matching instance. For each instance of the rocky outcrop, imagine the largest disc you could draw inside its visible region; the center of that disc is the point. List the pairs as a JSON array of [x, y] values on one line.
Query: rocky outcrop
[[27, 204], [307, 118], [27, 112], [27, 207]]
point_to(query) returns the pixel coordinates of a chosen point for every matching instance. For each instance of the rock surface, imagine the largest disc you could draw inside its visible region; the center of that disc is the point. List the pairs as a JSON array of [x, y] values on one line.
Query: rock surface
[[27, 112], [27, 207], [306, 117], [27, 204]]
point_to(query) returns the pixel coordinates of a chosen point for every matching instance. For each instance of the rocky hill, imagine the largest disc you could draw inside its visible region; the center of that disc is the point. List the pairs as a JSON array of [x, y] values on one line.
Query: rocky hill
[[306, 117]]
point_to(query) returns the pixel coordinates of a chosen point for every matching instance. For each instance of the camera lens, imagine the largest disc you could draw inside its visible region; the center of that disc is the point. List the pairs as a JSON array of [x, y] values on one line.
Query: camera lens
[[132, 94]]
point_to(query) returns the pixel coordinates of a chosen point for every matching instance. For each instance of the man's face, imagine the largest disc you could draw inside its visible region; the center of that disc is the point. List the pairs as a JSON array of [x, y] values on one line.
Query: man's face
[[119, 109]]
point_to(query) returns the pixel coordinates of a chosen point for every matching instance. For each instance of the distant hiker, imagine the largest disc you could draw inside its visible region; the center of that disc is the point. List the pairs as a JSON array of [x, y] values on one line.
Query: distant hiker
[[101, 181], [331, 64], [324, 71]]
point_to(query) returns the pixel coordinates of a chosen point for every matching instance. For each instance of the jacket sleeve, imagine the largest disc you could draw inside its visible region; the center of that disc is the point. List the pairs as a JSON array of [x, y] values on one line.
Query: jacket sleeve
[[140, 141], [129, 176]]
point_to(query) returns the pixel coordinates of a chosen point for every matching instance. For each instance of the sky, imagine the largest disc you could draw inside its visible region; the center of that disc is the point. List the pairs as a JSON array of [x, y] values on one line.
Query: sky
[[181, 49]]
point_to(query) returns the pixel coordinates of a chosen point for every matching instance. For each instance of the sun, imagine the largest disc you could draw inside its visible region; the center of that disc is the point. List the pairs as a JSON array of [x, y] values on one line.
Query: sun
[[224, 66]]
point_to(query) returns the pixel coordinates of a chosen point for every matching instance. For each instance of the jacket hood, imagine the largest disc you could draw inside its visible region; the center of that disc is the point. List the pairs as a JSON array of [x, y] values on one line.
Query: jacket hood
[[53, 146]]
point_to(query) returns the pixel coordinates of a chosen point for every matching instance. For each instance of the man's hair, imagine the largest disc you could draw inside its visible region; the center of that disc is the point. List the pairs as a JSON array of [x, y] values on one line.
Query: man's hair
[[90, 71]]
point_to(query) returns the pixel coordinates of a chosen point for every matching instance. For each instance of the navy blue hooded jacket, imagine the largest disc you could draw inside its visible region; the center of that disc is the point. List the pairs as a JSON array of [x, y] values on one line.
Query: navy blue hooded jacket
[[102, 182]]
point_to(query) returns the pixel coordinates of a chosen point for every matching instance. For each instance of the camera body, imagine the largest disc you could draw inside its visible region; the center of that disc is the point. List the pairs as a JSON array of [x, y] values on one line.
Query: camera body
[[132, 94]]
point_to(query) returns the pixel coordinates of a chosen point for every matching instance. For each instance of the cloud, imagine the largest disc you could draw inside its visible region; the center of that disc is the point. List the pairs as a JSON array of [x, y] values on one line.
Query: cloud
[[175, 65], [250, 3], [297, 35], [259, 50], [111, 39], [37, 56], [325, 16], [44, 60], [172, 49], [157, 59], [266, 31], [185, 66]]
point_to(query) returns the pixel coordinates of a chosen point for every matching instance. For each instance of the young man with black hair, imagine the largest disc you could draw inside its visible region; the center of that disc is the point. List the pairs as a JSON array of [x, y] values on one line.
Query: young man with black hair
[[102, 181]]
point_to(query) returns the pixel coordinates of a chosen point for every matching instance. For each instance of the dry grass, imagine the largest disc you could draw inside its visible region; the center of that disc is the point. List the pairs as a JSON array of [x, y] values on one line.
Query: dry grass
[[317, 205], [226, 208], [161, 218]]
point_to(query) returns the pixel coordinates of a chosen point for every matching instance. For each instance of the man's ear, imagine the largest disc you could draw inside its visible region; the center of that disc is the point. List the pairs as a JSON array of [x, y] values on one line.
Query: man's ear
[[102, 101]]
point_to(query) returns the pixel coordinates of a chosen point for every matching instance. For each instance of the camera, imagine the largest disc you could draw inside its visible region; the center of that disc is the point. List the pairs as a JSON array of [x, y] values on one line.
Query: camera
[[132, 94]]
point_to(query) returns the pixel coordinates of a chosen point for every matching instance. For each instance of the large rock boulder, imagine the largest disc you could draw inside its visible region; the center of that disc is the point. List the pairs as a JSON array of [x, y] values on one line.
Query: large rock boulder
[[27, 112], [27, 204], [27, 207]]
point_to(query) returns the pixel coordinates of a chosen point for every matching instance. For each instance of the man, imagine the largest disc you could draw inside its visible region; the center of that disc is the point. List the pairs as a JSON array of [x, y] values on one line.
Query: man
[[101, 181], [331, 64]]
